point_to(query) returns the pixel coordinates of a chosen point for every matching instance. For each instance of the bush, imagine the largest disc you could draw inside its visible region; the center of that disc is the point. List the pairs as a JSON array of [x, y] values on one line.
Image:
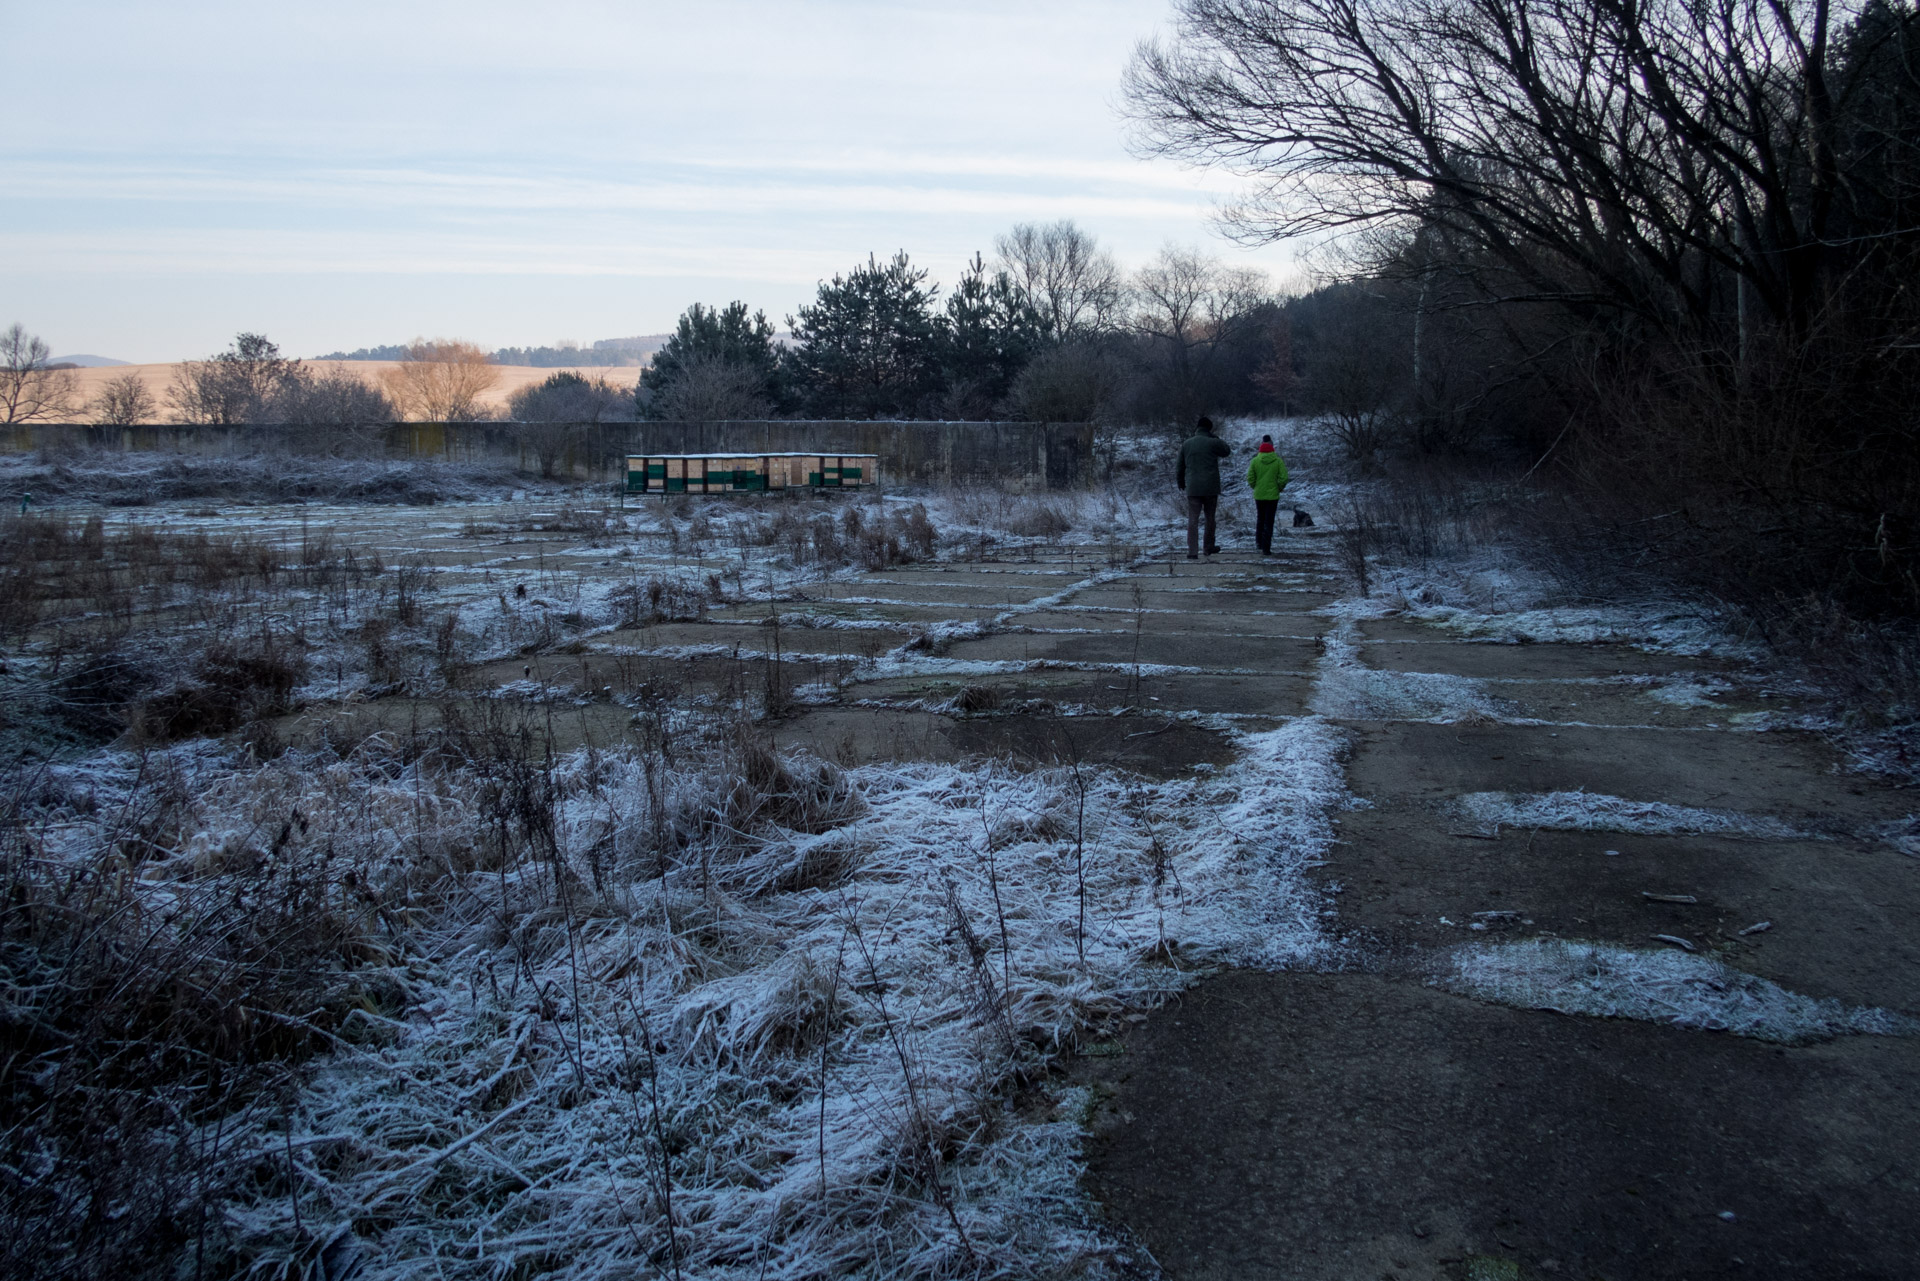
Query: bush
[[233, 684], [132, 1040], [712, 389], [1074, 383], [567, 397]]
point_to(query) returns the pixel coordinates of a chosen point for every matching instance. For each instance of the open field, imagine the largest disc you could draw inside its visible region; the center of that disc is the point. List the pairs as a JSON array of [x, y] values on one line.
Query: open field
[[159, 377], [804, 888]]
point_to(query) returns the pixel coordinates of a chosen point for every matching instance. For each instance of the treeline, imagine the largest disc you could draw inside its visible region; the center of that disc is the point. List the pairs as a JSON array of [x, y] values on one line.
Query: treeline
[[1052, 329], [1671, 248]]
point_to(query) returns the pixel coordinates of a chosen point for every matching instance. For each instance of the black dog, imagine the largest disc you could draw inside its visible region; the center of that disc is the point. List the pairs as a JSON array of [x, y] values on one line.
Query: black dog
[[1301, 520]]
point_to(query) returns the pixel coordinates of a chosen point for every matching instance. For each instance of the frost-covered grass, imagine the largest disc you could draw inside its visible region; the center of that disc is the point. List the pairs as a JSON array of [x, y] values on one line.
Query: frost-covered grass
[[699, 1011], [1667, 986], [678, 1007], [134, 479]]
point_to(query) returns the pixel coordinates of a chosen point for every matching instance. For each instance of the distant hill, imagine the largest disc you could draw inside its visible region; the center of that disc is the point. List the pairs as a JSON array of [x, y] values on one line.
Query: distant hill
[[88, 362], [606, 352]]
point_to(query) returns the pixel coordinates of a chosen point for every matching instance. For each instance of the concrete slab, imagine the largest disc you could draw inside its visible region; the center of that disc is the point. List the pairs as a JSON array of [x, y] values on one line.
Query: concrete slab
[[561, 726], [960, 593], [1840, 909], [905, 615], [1400, 629], [1788, 775], [1152, 747], [1043, 579], [1198, 598], [1297, 626], [1330, 1127], [753, 638], [1178, 649], [1277, 697], [677, 680], [1624, 702], [1532, 662]]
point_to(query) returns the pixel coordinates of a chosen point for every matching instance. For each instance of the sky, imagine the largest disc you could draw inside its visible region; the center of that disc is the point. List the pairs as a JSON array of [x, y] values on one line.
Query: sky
[[346, 174]]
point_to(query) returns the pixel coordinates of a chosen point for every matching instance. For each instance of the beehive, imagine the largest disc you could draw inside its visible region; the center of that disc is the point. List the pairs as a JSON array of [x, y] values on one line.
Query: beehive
[[748, 473]]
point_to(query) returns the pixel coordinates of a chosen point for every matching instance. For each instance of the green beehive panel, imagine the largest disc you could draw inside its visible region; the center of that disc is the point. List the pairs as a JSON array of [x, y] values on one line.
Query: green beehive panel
[[749, 474]]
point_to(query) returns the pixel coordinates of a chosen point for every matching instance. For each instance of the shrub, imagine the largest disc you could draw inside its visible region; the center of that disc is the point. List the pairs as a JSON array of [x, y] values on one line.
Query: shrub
[[232, 684]]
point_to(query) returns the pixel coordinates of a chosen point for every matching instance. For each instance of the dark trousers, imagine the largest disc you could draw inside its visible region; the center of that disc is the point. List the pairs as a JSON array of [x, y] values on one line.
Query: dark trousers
[[1195, 506], [1264, 510]]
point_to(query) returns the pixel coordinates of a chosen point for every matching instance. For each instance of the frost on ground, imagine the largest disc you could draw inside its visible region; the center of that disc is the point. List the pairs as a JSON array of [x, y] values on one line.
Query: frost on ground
[[1348, 689], [480, 1006], [1489, 597], [1594, 812], [695, 1009], [1664, 626], [137, 479], [1658, 987], [1686, 691]]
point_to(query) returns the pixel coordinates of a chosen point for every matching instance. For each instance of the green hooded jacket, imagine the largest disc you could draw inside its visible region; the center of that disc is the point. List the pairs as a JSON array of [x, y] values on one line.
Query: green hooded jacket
[[1267, 473], [1198, 471]]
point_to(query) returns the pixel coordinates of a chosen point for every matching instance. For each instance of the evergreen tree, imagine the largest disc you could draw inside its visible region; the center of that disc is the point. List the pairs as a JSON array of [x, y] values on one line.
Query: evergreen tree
[[870, 346], [708, 336], [992, 331]]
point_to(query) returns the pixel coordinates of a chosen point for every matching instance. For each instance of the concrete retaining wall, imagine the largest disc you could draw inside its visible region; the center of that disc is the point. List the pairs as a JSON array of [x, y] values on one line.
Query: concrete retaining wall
[[1034, 455]]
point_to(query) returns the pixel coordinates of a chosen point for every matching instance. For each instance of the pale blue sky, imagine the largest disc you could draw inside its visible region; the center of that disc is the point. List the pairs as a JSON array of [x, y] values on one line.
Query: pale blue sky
[[352, 173]]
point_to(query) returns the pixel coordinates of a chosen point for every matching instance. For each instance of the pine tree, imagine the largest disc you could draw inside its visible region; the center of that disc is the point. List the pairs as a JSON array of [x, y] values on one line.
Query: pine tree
[[992, 331], [870, 345], [708, 336]]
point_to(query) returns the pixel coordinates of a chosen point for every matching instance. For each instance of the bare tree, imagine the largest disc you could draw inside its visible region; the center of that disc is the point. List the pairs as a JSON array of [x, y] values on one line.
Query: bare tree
[[234, 386], [334, 397], [123, 402], [1075, 382], [1354, 374], [29, 390], [712, 389], [1065, 276], [1658, 157], [442, 381], [1189, 308], [569, 397]]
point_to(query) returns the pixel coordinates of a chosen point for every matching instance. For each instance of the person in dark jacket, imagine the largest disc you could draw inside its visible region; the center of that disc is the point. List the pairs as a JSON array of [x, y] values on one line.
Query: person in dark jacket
[[1267, 473], [1198, 474]]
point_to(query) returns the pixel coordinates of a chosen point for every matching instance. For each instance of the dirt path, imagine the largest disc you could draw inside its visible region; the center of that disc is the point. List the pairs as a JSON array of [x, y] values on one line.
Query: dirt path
[[1385, 1117]]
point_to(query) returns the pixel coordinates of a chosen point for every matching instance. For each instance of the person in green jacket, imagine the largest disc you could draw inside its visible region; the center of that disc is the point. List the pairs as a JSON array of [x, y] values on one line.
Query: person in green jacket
[[1267, 473], [1197, 473]]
